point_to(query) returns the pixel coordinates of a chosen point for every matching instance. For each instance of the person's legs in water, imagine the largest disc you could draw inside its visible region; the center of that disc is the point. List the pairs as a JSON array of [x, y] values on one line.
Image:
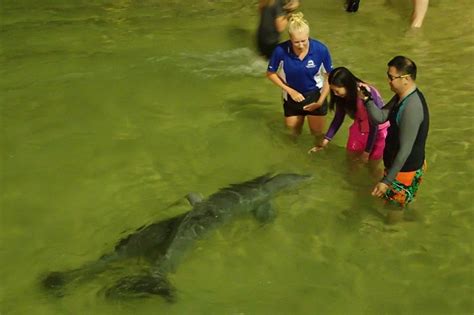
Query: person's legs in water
[[294, 124], [354, 162], [355, 147], [352, 5], [356, 177], [402, 192], [394, 216], [420, 7], [375, 169], [375, 158], [295, 116], [316, 126], [317, 119]]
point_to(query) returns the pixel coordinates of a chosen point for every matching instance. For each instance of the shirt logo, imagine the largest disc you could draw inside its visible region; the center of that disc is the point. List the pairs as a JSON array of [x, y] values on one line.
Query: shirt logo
[[310, 64]]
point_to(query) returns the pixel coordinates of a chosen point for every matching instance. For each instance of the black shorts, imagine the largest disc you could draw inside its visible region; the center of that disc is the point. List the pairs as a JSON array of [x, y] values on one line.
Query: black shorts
[[293, 108]]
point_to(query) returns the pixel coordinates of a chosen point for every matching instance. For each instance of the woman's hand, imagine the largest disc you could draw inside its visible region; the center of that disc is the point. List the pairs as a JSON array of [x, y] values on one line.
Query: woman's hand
[[319, 147], [315, 149], [312, 106], [296, 96]]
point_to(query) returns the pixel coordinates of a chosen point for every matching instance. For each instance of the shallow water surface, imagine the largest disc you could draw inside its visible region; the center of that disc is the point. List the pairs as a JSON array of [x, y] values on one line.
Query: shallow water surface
[[111, 111]]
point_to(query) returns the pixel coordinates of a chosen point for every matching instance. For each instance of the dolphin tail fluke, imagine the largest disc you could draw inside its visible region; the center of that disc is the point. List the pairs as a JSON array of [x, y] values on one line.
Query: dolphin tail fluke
[[57, 281], [142, 286]]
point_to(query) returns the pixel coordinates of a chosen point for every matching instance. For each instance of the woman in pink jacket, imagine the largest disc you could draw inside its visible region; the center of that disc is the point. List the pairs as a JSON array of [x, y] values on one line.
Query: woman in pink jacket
[[366, 140]]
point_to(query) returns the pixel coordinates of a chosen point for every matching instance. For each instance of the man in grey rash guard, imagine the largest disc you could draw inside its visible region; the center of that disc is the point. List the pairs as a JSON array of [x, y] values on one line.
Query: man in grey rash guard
[[404, 153]]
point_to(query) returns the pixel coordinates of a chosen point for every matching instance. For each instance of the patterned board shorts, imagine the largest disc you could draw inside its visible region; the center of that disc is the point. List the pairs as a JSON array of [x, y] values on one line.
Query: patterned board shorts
[[404, 187]]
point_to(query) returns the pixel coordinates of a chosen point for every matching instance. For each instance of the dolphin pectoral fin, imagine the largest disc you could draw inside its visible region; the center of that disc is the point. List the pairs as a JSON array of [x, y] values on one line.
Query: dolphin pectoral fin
[[265, 213], [194, 198], [142, 286]]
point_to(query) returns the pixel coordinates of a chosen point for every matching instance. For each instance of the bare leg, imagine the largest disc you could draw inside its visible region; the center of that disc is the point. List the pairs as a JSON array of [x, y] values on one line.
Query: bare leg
[[353, 161], [316, 126], [352, 5], [394, 216], [419, 10], [294, 124], [391, 213]]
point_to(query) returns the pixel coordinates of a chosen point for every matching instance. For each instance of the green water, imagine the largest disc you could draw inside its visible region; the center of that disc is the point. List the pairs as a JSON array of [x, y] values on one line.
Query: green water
[[111, 111]]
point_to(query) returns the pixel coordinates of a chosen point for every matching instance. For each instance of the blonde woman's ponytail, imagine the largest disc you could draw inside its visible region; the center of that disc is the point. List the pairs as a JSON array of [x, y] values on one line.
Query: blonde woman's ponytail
[[297, 24]]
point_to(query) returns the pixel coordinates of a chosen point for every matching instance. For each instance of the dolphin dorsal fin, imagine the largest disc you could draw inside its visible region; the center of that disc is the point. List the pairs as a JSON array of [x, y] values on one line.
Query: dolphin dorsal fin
[[194, 198]]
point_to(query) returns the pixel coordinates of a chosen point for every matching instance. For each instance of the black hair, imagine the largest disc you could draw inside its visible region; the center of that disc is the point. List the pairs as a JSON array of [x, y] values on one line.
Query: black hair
[[403, 65], [342, 77]]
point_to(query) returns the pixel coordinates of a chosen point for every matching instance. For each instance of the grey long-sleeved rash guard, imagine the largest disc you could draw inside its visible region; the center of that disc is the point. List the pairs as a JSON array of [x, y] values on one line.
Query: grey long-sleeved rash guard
[[410, 117]]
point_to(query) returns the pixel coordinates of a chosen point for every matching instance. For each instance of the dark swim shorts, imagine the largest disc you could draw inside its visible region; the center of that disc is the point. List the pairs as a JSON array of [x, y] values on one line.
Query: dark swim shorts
[[293, 108]]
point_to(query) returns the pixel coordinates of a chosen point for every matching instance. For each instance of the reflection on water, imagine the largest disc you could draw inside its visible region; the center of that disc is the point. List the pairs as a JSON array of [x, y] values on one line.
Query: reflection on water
[[113, 111]]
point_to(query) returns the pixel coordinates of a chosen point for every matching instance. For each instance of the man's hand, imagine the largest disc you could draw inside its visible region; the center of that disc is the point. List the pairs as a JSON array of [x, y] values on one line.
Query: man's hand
[[379, 190], [363, 91]]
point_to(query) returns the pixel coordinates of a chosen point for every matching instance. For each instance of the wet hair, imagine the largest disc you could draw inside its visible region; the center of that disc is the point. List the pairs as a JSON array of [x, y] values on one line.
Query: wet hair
[[403, 65], [296, 23], [342, 77]]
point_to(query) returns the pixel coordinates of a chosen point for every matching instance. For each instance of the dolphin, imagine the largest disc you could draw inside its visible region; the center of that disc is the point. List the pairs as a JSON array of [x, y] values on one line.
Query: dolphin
[[165, 243]]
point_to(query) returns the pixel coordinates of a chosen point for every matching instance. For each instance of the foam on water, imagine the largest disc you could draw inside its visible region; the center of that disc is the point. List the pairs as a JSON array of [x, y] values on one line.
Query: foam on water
[[241, 61]]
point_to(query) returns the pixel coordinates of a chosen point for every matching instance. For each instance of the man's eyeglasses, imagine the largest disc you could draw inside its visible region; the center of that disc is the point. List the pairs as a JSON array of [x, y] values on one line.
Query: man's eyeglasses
[[391, 77]]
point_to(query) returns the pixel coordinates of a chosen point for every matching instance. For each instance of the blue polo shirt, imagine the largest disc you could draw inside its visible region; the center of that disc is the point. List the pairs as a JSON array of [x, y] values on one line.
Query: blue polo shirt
[[302, 75]]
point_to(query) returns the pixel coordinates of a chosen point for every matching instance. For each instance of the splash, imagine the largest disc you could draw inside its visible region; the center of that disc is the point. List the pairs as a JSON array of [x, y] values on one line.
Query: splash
[[226, 63]]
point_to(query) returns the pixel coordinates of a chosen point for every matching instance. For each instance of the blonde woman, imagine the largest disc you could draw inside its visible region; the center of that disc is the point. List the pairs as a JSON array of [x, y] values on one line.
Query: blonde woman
[[300, 67], [273, 21]]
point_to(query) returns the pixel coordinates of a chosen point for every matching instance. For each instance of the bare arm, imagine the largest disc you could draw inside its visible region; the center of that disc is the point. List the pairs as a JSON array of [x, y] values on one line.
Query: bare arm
[[280, 23], [324, 89], [324, 93], [294, 94]]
